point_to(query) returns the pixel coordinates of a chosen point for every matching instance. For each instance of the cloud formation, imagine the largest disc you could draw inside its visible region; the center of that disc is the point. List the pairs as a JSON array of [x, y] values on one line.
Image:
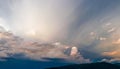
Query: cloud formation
[[90, 25], [11, 45]]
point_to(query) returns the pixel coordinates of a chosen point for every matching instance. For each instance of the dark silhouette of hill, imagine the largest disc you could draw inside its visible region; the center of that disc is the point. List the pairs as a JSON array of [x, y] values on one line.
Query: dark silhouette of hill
[[12, 63], [99, 65]]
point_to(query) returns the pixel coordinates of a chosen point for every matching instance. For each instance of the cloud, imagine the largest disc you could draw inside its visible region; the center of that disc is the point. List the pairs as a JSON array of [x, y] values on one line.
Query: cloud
[[47, 20], [4, 23], [114, 60], [111, 30], [116, 41], [56, 20], [110, 53], [90, 25], [10, 45], [114, 53]]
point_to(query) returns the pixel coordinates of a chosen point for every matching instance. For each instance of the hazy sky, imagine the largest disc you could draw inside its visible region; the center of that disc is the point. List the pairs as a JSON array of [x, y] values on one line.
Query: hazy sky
[[57, 19], [92, 24]]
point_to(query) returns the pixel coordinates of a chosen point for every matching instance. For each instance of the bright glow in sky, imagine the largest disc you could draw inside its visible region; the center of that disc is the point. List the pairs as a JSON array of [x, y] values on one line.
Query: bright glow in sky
[[47, 20], [92, 24]]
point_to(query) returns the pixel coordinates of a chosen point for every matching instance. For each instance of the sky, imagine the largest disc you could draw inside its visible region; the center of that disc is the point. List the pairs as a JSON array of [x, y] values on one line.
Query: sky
[[91, 25]]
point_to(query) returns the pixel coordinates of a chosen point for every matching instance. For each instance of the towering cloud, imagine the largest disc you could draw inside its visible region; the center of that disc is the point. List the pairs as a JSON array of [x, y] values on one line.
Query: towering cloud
[[74, 51]]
